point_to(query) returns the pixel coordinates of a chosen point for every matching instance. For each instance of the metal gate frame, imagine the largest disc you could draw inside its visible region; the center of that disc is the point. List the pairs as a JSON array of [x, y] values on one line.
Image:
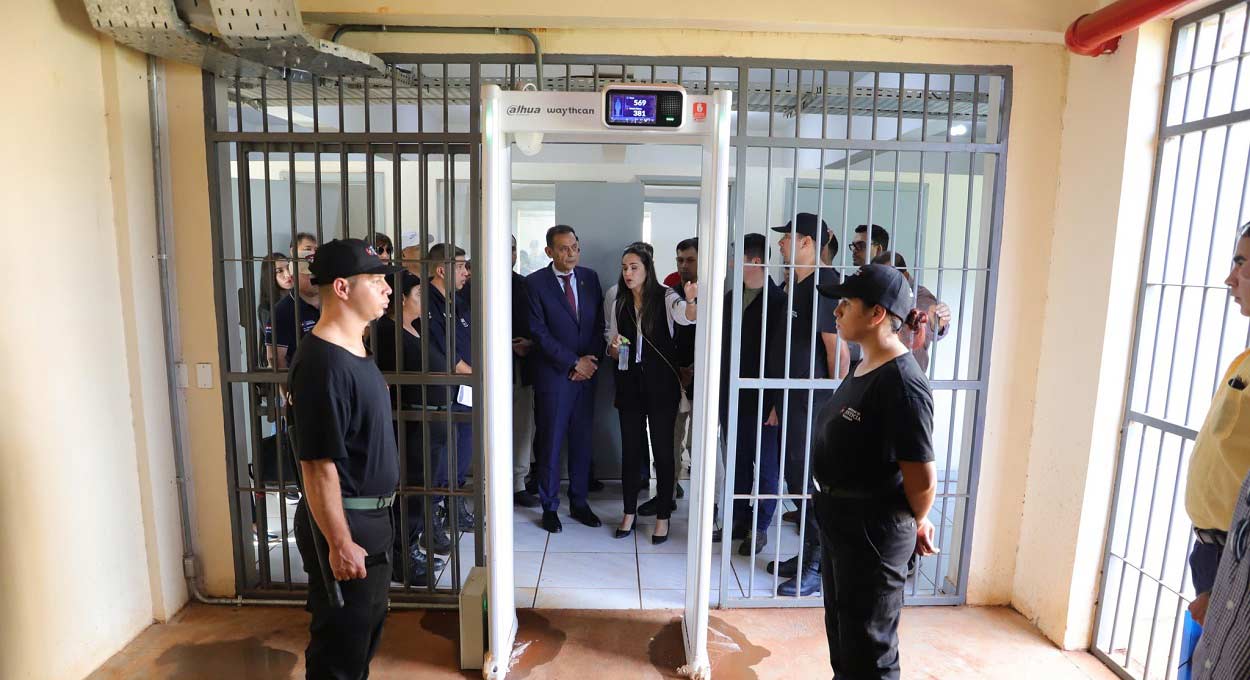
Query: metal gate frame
[[521, 67]]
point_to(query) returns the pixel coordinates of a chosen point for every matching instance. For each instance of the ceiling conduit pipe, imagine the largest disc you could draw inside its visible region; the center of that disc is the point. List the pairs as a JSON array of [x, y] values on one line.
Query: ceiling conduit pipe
[[470, 30], [1099, 32]]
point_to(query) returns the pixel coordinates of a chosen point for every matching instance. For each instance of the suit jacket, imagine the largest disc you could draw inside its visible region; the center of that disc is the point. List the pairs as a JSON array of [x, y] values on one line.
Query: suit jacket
[[560, 336]]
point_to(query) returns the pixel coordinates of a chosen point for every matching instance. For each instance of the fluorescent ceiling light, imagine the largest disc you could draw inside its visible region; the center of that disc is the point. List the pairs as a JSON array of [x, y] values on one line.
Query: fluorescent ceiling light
[[959, 129]]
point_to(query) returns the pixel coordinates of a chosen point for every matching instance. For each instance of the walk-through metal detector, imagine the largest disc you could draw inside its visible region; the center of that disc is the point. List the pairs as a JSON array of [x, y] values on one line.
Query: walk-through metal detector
[[619, 114]]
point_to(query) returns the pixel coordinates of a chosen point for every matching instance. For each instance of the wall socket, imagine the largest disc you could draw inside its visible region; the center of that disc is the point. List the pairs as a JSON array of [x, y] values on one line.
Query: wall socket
[[204, 376]]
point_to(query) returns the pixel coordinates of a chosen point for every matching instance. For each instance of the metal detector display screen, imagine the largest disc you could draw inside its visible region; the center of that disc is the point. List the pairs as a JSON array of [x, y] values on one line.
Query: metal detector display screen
[[630, 108]]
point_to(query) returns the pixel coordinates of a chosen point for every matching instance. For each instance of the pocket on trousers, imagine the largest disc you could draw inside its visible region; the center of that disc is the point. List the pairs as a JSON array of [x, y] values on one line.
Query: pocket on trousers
[[891, 537]]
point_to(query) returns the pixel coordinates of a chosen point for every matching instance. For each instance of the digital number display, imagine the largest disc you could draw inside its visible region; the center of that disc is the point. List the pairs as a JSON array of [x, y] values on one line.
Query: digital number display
[[631, 109]]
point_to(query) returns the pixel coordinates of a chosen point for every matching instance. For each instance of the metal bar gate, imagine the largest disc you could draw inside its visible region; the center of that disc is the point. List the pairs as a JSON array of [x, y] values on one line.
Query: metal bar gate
[[917, 150]]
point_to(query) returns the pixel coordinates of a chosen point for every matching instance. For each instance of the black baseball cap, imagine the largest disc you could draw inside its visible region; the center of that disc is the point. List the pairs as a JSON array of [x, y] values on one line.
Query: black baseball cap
[[344, 258], [804, 224], [875, 284]]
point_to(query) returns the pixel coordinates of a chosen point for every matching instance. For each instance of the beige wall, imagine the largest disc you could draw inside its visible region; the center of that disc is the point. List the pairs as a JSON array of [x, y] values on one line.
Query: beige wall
[[1023, 20], [1105, 176], [1039, 82], [88, 518], [193, 265]]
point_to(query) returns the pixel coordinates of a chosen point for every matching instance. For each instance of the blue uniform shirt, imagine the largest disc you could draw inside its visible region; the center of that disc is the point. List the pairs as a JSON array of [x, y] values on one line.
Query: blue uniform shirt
[[440, 316]]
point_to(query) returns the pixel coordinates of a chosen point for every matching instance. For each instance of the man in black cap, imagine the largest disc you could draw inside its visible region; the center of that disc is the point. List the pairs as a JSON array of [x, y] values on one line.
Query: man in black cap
[[872, 458], [449, 274], [815, 353], [348, 461]]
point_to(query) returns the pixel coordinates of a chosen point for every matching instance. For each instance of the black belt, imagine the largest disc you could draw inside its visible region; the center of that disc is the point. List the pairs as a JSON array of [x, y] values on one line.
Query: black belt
[[1211, 536], [850, 494]]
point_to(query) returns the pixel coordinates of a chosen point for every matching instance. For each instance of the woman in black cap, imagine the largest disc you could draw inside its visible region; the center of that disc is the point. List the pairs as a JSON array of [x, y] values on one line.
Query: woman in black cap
[[872, 454]]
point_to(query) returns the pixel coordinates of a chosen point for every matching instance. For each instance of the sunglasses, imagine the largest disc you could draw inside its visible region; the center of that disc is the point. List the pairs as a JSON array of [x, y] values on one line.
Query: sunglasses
[[858, 246]]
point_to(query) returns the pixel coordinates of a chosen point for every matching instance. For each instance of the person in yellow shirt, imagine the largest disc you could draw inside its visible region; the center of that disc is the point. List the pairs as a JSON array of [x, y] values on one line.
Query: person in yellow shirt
[[1221, 455]]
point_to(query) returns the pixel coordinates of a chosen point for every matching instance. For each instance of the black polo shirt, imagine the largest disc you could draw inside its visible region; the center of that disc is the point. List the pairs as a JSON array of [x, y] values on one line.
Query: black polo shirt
[[806, 326], [285, 330], [870, 424]]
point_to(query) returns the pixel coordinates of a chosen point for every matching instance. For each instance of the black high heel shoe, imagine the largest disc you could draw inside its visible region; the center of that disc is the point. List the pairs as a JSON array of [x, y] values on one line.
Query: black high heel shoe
[[657, 539], [624, 533]]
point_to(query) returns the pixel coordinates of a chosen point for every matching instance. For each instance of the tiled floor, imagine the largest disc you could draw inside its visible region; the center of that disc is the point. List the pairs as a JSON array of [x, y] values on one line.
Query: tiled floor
[[584, 568], [264, 643]]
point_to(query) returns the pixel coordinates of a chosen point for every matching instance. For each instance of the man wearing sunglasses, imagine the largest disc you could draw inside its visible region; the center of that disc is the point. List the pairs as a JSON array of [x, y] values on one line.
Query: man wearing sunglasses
[[1217, 503]]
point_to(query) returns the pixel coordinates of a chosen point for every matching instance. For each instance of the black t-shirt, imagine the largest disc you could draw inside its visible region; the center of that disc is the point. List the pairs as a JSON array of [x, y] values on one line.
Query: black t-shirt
[[870, 424], [805, 329], [435, 362], [343, 412], [284, 332]]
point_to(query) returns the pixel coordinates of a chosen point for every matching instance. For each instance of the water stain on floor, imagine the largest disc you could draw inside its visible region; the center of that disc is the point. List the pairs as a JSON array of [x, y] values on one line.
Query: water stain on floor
[[537, 643], [730, 653], [444, 623], [244, 659]]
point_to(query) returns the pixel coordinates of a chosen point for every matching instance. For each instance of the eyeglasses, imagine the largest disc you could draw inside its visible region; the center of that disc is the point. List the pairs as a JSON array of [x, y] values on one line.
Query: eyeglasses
[[858, 246]]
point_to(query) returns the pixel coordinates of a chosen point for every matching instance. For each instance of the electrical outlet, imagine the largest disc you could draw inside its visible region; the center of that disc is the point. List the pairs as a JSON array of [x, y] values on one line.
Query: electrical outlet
[[204, 376]]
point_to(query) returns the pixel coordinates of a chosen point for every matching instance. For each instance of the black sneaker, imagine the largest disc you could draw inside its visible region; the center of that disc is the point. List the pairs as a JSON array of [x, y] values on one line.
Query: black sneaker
[[463, 515], [525, 499], [596, 486], [681, 493], [437, 541], [787, 569], [418, 569], [761, 540]]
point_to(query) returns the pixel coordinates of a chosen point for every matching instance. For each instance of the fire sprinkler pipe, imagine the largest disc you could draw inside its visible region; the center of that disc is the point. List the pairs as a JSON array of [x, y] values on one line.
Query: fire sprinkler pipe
[[1099, 32]]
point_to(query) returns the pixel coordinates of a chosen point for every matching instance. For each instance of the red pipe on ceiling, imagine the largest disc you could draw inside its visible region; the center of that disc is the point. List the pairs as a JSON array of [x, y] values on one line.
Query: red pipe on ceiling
[[1099, 32]]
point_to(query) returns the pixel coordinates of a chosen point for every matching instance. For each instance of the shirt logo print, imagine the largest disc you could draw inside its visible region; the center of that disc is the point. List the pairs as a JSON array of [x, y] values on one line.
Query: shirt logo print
[[852, 415]]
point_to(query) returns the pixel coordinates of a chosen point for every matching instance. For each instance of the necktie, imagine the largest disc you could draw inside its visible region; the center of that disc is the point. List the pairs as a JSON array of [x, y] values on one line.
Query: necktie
[[568, 292]]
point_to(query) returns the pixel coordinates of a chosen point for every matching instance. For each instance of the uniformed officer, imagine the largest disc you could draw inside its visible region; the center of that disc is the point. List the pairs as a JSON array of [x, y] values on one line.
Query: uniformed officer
[[814, 353], [448, 277], [348, 461], [872, 456]]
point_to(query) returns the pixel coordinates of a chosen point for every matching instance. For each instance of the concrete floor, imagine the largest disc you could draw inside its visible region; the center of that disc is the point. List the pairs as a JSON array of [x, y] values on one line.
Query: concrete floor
[[262, 643]]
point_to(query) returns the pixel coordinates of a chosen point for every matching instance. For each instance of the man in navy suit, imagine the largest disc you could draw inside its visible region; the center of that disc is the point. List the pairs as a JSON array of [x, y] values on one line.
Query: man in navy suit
[[566, 324]]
